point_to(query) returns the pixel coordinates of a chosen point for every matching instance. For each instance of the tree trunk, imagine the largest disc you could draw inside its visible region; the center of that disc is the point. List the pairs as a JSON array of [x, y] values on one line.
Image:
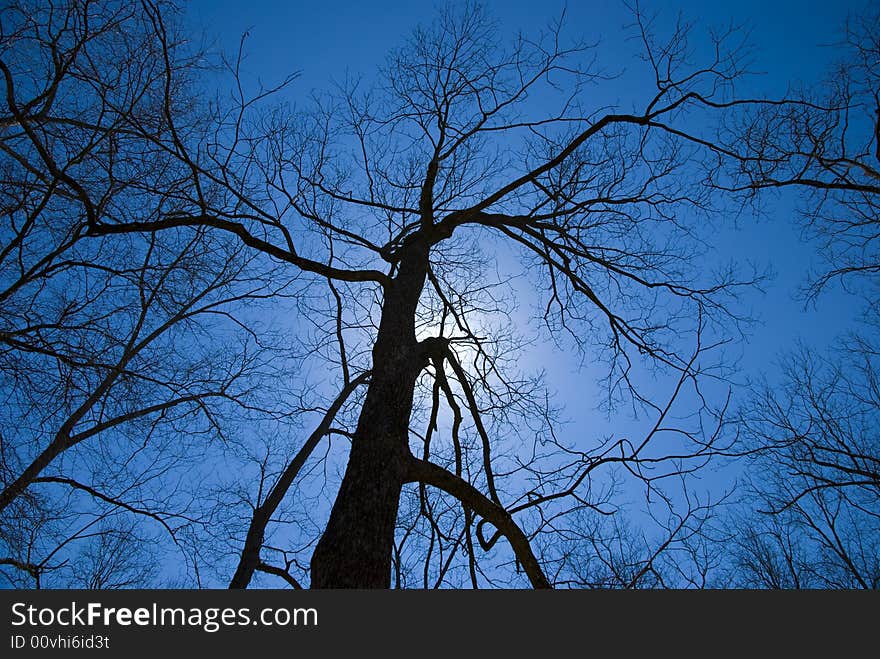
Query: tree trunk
[[250, 553], [356, 546]]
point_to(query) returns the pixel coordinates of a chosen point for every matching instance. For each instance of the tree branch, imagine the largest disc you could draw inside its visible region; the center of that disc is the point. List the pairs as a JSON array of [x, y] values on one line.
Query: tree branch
[[431, 474]]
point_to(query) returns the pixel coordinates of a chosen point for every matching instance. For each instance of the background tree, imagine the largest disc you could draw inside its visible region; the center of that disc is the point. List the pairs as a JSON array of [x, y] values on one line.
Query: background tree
[[816, 477], [823, 144], [390, 193], [811, 436], [121, 360]]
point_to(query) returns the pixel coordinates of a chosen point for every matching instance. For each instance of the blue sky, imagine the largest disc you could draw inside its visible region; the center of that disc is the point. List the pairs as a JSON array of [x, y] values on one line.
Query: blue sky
[[323, 38]]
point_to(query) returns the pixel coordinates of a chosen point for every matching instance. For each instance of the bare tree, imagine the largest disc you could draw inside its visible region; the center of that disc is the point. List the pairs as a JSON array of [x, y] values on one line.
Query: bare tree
[[413, 214], [815, 475], [122, 359], [824, 144]]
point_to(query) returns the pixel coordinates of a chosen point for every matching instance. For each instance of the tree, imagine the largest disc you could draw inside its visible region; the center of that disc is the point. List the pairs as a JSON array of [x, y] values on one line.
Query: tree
[[120, 359], [817, 472], [387, 205], [824, 143], [811, 437]]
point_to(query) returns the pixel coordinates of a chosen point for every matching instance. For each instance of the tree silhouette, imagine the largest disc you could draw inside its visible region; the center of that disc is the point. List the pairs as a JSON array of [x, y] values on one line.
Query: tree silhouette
[[405, 213], [120, 359], [812, 437], [823, 144]]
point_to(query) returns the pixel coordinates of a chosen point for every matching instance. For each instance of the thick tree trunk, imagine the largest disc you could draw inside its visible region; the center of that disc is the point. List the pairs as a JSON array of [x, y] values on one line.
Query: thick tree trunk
[[355, 549]]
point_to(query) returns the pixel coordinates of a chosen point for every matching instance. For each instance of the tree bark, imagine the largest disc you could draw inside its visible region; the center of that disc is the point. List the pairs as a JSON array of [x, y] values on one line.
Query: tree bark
[[356, 546]]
